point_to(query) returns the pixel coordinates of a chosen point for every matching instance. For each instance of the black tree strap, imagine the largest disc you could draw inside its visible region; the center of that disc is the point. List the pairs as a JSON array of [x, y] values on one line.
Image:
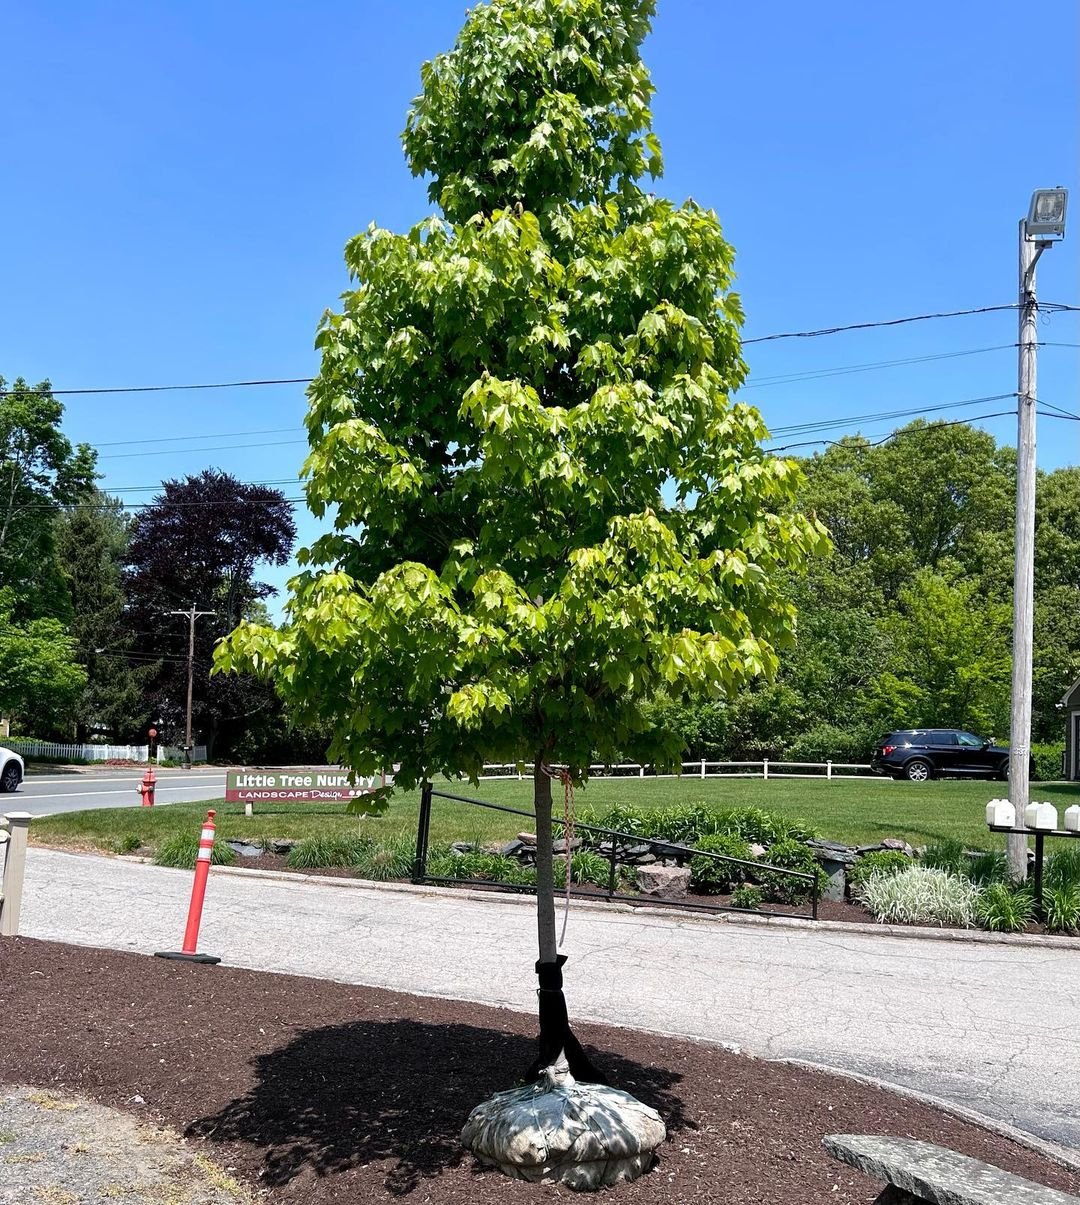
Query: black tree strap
[[556, 1036]]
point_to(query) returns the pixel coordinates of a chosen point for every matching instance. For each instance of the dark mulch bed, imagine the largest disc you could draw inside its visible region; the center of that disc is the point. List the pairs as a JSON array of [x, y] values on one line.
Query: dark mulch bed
[[319, 1092], [279, 862]]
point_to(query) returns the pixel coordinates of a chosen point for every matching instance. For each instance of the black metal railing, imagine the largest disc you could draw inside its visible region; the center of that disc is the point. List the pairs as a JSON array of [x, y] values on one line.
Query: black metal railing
[[611, 848]]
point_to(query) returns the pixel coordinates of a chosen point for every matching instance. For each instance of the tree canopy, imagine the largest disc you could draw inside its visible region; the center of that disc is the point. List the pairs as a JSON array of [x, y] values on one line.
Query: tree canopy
[[40, 472], [546, 506], [200, 541]]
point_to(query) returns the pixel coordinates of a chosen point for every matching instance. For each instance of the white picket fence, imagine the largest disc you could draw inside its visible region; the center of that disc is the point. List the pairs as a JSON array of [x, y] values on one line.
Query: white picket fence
[[56, 751], [764, 769]]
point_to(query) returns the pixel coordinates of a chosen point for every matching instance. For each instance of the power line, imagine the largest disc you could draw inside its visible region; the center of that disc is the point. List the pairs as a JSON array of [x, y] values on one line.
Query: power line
[[797, 428], [866, 326], [164, 388], [885, 415], [142, 489], [1046, 306], [760, 383], [958, 422], [876, 443], [273, 443], [849, 369], [164, 439]]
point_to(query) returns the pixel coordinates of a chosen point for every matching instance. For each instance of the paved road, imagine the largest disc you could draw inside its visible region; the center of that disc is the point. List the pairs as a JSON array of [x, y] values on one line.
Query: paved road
[[46, 794], [989, 1027]]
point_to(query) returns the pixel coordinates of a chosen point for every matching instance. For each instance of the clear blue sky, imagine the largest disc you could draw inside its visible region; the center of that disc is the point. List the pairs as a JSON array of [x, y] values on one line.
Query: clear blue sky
[[180, 180]]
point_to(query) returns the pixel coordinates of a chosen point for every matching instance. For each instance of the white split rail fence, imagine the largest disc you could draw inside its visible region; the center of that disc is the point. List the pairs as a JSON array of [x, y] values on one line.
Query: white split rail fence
[[763, 769]]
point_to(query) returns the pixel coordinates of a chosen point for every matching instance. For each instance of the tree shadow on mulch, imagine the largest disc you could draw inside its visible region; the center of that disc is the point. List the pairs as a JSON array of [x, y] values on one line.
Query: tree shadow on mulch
[[343, 1096]]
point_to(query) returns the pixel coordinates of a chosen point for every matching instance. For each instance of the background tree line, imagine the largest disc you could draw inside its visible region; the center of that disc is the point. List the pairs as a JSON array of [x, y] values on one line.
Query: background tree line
[[90, 646], [905, 623]]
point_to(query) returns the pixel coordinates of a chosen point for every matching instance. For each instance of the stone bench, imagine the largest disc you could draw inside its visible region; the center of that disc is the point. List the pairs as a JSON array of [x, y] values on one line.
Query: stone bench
[[919, 1171]]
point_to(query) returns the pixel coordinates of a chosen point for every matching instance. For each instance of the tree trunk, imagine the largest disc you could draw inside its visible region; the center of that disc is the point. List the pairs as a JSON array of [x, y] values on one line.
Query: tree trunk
[[545, 869], [556, 1036]]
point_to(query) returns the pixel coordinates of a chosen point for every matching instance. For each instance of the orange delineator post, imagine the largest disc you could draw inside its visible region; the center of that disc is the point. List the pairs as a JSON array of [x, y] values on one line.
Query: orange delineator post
[[198, 893]]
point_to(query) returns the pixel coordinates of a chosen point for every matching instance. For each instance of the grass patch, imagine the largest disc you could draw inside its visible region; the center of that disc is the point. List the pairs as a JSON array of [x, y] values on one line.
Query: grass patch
[[861, 811]]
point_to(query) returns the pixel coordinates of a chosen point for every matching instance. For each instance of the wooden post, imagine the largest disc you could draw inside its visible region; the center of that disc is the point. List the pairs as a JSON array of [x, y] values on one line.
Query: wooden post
[[1024, 569], [14, 871]]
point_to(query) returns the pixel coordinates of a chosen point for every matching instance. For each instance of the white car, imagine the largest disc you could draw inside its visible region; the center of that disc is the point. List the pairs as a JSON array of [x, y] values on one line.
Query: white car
[[11, 770]]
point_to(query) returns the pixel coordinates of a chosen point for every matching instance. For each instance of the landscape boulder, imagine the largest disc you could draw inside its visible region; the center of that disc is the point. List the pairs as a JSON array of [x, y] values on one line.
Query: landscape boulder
[[246, 849], [664, 882]]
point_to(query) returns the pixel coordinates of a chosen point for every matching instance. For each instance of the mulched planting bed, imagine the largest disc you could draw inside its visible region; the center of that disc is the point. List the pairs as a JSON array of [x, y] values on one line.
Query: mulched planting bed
[[827, 909], [319, 1092]]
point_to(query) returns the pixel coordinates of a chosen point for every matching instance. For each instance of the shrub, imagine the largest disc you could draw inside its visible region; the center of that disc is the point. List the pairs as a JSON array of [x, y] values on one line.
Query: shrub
[[480, 864], [621, 818], [982, 867], [627, 878], [746, 895], [329, 849], [1062, 908], [391, 859], [589, 867], [1005, 909], [991, 866], [950, 856], [686, 824], [182, 850], [790, 854], [759, 826], [712, 877], [1048, 761], [681, 824], [523, 876], [921, 895], [1063, 867], [829, 743], [881, 861], [128, 843]]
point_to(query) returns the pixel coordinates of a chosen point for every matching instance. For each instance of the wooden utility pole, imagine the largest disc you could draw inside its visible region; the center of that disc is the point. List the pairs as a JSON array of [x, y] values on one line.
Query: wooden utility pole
[[1024, 572], [191, 615]]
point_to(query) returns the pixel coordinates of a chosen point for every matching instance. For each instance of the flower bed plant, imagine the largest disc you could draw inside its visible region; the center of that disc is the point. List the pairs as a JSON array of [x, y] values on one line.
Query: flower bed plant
[[921, 895]]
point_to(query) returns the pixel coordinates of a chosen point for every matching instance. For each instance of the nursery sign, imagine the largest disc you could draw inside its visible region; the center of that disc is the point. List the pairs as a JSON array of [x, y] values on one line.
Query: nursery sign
[[295, 786]]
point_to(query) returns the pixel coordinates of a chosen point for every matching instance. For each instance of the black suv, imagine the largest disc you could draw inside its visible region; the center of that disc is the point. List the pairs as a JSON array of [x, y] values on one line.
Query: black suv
[[921, 753]]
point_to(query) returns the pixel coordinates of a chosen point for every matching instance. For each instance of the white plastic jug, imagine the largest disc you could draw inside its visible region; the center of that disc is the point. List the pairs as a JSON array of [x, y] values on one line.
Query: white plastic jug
[[1072, 819]]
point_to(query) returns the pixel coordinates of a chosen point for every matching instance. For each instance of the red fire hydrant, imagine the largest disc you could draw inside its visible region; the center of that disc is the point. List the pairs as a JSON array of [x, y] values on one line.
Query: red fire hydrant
[[146, 787]]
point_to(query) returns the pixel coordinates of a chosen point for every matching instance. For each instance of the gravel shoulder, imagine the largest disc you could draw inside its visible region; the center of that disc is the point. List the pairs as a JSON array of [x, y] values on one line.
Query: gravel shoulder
[[59, 1148]]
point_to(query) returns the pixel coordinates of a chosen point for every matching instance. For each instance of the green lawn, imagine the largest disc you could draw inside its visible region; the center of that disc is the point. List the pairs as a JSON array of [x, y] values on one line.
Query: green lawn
[[859, 811]]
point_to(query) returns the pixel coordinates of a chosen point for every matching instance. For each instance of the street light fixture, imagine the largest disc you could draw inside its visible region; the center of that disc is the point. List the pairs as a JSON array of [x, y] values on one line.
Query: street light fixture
[[1046, 216], [1044, 225]]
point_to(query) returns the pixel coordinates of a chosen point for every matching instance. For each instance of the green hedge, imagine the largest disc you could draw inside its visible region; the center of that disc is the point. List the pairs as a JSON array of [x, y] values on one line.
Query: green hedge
[[1048, 761]]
